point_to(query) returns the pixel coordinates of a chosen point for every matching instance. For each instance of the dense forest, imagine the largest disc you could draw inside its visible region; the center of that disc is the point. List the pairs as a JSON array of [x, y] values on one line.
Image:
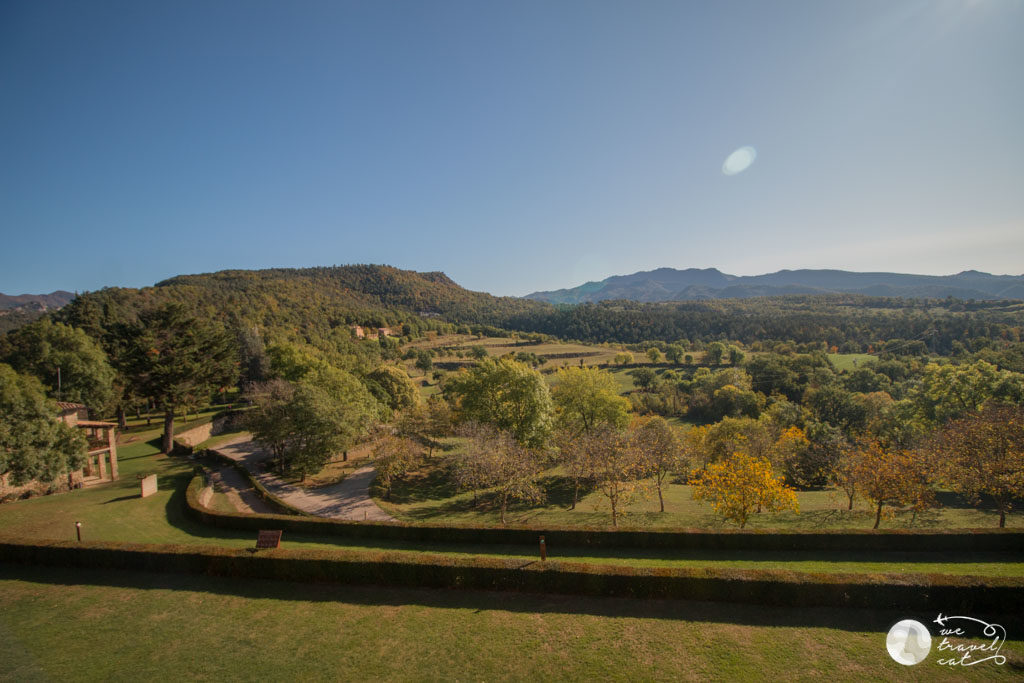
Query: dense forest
[[850, 322]]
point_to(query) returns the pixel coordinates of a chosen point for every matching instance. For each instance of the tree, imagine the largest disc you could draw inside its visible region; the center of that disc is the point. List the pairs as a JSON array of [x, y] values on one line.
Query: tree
[[981, 456], [618, 467], [948, 391], [731, 401], [497, 460], [425, 423], [399, 393], [423, 360], [654, 354], [674, 353], [889, 477], [271, 420], [509, 395], [843, 474], [33, 443], [176, 359], [587, 398], [46, 349], [393, 457], [623, 358], [644, 377], [574, 456], [712, 443], [741, 484], [306, 423], [714, 352], [470, 468], [660, 449], [788, 456]]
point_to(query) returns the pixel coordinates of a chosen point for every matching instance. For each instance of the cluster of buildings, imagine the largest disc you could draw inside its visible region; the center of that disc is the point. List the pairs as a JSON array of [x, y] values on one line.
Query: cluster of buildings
[[361, 332]]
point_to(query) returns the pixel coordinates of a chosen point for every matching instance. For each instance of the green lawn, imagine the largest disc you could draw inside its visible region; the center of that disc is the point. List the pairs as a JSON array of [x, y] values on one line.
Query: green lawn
[[127, 625]]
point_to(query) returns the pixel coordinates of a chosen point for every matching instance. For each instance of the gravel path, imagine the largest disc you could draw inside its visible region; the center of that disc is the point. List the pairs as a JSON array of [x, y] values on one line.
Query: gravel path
[[348, 499], [239, 490]]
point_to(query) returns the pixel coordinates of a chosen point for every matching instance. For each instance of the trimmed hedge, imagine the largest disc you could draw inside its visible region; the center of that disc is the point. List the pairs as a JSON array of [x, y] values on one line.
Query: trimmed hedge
[[766, 587], [967, 541]]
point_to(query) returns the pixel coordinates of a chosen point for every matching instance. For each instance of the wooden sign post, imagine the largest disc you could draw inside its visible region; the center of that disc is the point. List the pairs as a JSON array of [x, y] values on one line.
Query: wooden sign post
[[268, 539]]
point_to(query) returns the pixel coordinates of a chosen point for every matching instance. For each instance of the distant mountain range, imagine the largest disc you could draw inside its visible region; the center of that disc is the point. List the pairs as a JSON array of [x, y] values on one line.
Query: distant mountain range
[[669, 284], [37, 302]]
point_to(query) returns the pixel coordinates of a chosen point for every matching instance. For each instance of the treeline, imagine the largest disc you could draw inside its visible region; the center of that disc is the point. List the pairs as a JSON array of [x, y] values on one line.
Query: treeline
[[850, 323]]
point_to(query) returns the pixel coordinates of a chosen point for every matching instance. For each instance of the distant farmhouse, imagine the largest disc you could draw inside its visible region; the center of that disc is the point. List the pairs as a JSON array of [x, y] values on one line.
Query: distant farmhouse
[[362, 332]]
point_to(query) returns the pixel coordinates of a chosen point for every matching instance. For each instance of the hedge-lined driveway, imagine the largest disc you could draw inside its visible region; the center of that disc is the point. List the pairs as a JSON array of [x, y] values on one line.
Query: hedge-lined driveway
[[348, 500]]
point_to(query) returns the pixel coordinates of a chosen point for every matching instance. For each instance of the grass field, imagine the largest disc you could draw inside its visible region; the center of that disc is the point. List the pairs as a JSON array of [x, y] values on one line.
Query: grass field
[[849, 361], [92, 625], [567, 353]]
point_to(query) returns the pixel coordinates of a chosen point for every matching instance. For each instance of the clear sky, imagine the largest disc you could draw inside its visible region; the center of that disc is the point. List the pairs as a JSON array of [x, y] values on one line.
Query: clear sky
[[515, 145]]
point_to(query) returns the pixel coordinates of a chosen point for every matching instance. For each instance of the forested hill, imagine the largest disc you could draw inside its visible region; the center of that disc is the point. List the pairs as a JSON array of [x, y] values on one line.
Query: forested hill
[[669, 284], [359, 286], [305, 299]]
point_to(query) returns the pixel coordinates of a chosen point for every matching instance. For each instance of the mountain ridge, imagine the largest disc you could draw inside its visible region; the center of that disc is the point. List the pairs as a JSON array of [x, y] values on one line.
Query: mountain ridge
[[689, 284], [40, 302]]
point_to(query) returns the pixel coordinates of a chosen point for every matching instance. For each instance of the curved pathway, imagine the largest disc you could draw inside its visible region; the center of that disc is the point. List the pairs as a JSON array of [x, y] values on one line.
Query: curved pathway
[[239, 490], [349, 499]]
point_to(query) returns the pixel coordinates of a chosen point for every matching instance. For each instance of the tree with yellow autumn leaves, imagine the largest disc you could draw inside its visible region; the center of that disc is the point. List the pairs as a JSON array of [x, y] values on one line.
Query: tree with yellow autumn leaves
[[741, 484]]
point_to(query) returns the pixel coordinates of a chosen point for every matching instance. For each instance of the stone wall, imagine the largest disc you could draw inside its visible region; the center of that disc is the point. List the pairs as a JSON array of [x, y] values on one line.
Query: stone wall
[[224, 422]]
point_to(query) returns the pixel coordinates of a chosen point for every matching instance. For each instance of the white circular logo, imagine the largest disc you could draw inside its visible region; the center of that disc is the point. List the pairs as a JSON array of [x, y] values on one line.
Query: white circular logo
[[908, 642]]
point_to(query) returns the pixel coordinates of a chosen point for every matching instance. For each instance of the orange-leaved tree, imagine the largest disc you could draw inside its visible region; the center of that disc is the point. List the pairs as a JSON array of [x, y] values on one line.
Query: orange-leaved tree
[[982, 455], [890, 477]]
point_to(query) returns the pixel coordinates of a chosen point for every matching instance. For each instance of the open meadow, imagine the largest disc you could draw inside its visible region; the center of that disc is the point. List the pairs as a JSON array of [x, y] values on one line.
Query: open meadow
[[144, 626]]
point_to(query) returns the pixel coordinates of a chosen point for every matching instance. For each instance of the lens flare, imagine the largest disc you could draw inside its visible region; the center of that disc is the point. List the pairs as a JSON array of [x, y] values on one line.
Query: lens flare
[[739, 161]]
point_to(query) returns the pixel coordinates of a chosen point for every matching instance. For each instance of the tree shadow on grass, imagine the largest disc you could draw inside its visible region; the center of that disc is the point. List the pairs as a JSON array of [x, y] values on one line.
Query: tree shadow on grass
[[845, 619], [428, 483], [559, 489]]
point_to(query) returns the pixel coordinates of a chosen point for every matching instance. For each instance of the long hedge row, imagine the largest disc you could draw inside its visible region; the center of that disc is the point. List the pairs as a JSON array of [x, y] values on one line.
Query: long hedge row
[[966, 541], [767, 587]]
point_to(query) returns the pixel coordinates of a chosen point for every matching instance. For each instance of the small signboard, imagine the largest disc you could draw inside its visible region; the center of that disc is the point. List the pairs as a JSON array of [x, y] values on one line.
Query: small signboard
[[148, 485], [268, 539]]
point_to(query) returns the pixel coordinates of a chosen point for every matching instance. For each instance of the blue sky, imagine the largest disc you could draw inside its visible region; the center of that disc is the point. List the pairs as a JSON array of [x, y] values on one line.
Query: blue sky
[[517, 146]]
